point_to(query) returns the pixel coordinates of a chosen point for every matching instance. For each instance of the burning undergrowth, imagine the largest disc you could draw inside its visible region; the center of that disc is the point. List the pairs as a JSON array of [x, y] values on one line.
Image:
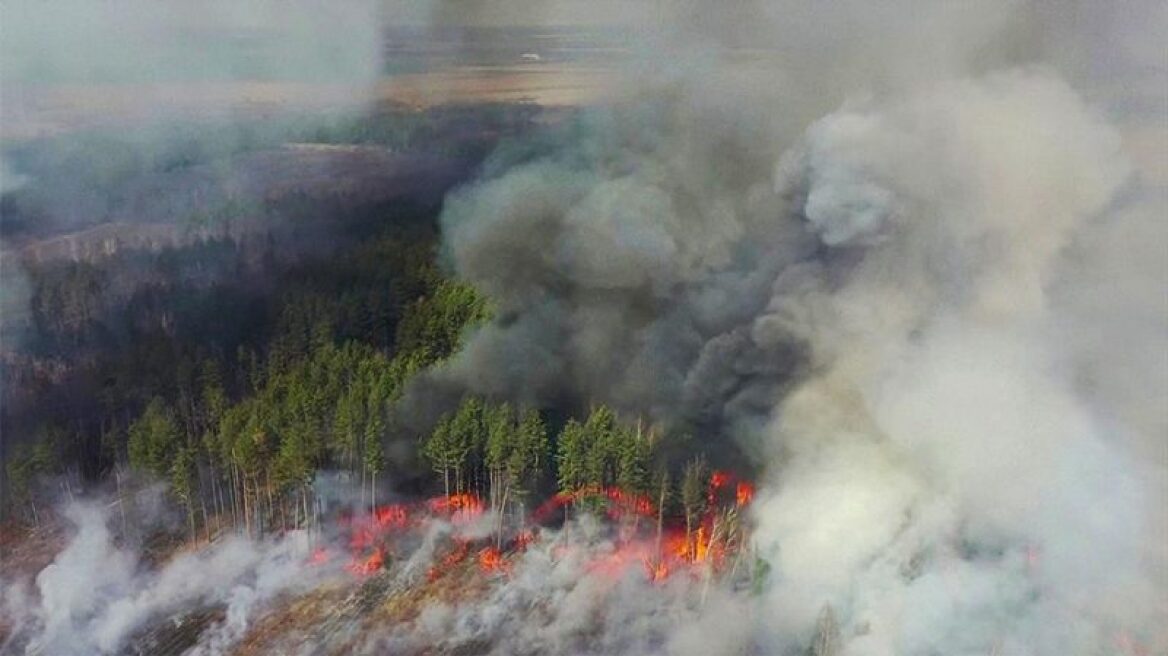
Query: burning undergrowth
[[393, 578]]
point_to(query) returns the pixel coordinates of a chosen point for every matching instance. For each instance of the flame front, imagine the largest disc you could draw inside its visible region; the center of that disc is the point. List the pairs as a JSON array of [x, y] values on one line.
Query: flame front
[[662, 548]]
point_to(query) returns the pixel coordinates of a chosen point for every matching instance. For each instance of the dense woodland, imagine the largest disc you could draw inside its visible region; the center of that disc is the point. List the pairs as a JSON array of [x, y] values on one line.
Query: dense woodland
[[236, 372]]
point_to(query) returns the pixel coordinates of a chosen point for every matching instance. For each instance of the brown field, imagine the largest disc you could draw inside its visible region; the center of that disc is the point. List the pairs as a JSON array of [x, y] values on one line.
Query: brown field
[[42, 111]]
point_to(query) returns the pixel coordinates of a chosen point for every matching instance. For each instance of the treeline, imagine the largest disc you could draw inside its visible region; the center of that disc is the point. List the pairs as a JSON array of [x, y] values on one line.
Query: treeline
[[313, 404], [600, 464], [237, 395], [169, 364], [240, 439]]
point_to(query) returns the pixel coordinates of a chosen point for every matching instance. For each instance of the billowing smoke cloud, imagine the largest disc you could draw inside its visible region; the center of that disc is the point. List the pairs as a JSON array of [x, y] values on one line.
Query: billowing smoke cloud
[[898, 309], [943, 458]]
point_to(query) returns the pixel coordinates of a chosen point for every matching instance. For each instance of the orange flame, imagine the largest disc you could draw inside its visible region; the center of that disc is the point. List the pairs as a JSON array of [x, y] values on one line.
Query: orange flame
[[461, 508], [491, 560], [395, 516], [371, 565], [449, 561], [701, 545], [657, 571], [372, 536], [621, 503], [523, 539], [718, 479], [744, 494]]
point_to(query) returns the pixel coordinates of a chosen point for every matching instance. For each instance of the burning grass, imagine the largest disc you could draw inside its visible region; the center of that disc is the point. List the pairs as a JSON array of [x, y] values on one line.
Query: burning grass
[[379, 572]]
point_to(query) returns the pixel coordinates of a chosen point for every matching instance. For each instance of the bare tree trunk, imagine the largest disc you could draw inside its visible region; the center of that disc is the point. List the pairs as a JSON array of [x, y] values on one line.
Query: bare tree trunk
[[191, 520], [271, 504], [246, 513], [373, 492], [217, 484], [502, 508], [661, 513], [206, 519], [235, 505], [304, 498], [688, 535], [121, 499]]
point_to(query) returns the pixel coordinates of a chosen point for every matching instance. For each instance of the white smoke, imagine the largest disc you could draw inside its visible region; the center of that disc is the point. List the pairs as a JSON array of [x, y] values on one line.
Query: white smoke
[[945, 435], [96, 593], [557, 601]]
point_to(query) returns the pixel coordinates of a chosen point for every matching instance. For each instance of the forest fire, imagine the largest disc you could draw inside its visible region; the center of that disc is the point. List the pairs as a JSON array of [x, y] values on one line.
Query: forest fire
[[663, 546], [618, 503], [370, 565], [458, 507], [391, 516], [744, 494], [491, 560], [448, 561]]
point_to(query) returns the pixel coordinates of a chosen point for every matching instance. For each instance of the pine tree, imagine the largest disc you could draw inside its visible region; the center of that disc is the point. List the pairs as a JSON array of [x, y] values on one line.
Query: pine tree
[[500, 443], [348, 429], [182, 482], [530, 455], [374, 462], [437, 450], [633, 454], [466, 441], [374, 433], [572, 452], [601, 447], [154, 439]]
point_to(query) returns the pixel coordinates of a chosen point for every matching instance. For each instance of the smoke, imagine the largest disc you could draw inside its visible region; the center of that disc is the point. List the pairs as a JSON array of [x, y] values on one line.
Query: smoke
[[97, 593], [917, 279], [75, 67], [130, 112], [896, 259], [144, 54], [557, 601]]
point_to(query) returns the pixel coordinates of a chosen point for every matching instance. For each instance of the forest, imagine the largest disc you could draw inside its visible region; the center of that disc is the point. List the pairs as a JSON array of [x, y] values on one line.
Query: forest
[[235, 368]]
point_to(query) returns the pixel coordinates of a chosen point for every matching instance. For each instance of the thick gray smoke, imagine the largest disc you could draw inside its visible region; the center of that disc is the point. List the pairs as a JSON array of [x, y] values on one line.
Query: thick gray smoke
[[922, 284]]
